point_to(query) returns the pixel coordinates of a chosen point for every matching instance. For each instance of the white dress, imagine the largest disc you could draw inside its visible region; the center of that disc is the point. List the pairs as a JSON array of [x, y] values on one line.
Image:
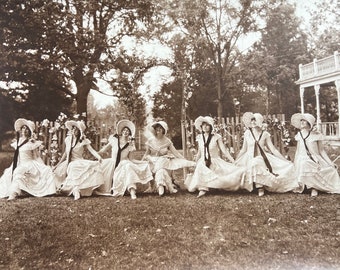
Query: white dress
[[219, 175], [162, 163], [314, 171], [108, 168], [129, 173], [282, 177], [85, 175], [31, 174]]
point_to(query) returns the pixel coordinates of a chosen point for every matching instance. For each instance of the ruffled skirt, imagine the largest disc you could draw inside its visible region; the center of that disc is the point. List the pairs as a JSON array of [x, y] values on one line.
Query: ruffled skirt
[[128, 174], [313, 175], [84, 175], [220, 175], [33, 177], [161, 167], [282, 179]]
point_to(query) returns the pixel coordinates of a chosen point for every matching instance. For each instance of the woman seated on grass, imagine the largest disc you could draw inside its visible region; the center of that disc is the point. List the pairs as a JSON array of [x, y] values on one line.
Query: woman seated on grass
[[266, 167], [28, 173], [126, 173], [74, 174], [212, 172], [314, 168], [163, 157]]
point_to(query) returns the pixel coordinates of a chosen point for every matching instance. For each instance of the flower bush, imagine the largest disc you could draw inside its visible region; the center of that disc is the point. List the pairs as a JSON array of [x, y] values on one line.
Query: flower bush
[[53, 133]]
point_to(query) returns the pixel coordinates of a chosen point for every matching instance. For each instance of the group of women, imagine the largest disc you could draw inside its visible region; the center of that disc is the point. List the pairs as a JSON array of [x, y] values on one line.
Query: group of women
[[259, 165]]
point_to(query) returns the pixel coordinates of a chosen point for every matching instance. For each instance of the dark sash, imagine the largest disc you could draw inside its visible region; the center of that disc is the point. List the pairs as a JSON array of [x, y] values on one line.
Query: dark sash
[[16, 154], [72, 147], [263, 154], [119, 151], [305, 143], [207, 157]]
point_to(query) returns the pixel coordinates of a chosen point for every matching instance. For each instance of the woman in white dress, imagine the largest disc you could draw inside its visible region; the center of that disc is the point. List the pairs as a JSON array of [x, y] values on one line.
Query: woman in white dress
[[74, 174], [28, 173], [211, 170], [266, 166], [127, 172], [163, 157], [314, 168]]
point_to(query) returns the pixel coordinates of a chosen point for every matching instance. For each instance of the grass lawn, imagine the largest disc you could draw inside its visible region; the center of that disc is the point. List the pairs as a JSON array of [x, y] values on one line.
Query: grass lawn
[[222, 230]]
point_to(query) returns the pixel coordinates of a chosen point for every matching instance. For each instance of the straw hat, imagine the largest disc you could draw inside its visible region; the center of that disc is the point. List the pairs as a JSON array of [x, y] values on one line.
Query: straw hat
[[259, 119], [203, 119], [297, 117], [126, 123], [20, 122], [78, 124], [248, 116], [162, 124]]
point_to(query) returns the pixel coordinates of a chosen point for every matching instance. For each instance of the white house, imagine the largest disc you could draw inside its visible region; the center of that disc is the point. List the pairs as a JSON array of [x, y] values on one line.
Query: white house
[[315, 75]]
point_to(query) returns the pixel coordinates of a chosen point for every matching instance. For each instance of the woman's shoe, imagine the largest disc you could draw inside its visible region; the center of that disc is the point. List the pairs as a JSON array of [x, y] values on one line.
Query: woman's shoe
[[161, 190], [314, 193], [201, 193], [76, 194], [261, 192], [13, 196], [133, 194]]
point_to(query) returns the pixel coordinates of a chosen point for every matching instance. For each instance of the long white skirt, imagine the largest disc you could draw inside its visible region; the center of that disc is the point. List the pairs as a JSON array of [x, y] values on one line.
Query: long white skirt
[[128, 174], [220, 175]]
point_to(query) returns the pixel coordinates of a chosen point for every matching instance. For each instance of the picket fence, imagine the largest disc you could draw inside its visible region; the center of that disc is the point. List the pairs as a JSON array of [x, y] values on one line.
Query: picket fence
[[231, 129]]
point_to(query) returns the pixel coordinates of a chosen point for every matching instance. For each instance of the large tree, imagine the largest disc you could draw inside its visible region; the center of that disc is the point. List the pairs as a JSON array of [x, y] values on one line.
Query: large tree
[[213, 29], [272, 65], [68, 41]]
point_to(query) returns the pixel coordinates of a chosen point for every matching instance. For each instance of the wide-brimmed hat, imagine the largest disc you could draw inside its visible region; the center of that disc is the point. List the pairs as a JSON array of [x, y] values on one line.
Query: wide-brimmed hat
[[20, 122], [297, 117], [126, 123], [248, 116], [203, 119], [78, 124], [161, 123]]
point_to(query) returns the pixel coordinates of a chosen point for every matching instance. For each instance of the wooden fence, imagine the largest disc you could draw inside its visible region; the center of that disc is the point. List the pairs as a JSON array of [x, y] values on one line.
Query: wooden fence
[[232, 129], [53, 135]]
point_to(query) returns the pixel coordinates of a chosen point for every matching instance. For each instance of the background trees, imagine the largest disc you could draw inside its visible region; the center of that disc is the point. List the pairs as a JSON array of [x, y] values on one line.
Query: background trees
[[58, 50], [54, 52]]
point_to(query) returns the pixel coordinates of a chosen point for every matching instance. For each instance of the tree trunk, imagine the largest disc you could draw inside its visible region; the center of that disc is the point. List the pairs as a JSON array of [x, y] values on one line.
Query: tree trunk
[[83, 84]]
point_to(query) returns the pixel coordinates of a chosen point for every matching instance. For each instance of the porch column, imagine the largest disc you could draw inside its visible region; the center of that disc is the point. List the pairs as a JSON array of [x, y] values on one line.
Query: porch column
[[302, 93], [317, 95], [337, 85]]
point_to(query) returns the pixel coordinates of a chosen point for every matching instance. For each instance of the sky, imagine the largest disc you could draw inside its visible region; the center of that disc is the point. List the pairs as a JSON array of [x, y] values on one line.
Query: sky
[[155, 78]]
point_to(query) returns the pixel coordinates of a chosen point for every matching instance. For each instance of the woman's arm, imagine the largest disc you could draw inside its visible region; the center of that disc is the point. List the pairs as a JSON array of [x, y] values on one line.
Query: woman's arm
[[324, 155], [94, 152], [174, 151], [243, 149], [105, 148], [147, 152], [272, 148], [224, 150], [63, 157]]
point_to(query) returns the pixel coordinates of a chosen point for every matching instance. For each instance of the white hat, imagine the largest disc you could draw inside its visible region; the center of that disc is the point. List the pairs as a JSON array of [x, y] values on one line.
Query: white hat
[[297, 117], [203, 119], [162, 124], [20, 122], [249, 116], [78, 124], [126, 123]]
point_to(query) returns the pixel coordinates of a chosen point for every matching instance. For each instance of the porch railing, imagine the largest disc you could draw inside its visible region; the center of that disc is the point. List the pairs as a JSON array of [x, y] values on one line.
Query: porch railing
[[329, 129], [320, 67]]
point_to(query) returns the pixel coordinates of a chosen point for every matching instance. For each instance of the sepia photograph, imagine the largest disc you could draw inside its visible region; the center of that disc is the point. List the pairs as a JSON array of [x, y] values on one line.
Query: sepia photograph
[[167, 134]]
